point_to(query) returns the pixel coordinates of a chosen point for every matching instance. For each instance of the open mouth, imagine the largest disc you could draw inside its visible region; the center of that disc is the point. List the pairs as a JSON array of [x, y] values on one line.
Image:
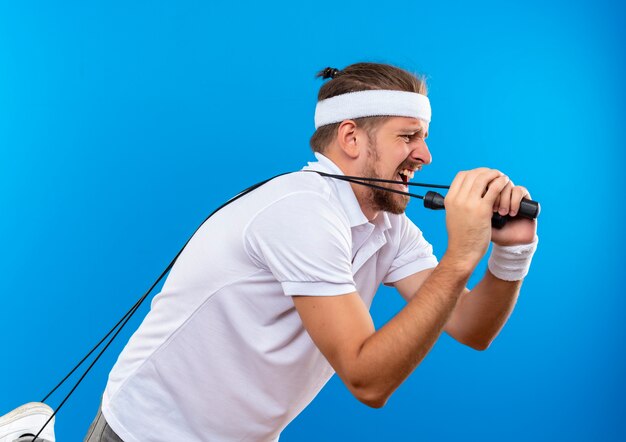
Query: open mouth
[[405, 175]]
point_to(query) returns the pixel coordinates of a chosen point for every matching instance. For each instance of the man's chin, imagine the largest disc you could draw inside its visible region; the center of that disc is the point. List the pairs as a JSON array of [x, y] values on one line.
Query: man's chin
[[396, 209], [390, 203]]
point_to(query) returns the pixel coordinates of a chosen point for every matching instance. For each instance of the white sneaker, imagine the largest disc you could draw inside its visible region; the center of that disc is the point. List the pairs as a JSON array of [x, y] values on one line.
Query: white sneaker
[[27, 419]]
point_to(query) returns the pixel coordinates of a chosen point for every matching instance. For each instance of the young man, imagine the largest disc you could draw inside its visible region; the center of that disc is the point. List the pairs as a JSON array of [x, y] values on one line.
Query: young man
[[271, 295]]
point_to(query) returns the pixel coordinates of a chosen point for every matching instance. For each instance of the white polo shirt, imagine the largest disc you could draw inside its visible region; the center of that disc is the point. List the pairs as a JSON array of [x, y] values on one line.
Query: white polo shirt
[[223, 355]]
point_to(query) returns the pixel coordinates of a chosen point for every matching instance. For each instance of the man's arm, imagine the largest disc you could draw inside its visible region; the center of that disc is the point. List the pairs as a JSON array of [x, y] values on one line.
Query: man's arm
[[479, 314], [372, 364]]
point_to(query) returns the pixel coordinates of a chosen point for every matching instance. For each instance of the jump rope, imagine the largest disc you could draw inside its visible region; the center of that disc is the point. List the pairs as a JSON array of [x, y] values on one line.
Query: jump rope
[[528, 209]]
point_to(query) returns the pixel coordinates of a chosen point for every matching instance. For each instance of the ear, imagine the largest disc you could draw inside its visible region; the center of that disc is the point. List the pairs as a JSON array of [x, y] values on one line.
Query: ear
[[349, 138]]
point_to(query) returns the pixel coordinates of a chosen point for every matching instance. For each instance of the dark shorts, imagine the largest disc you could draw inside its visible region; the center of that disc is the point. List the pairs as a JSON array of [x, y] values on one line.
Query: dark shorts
[[99, 431]]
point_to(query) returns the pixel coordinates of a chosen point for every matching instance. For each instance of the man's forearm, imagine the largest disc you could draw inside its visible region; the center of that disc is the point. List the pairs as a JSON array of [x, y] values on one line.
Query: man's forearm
[[481, 313], [388, 356]]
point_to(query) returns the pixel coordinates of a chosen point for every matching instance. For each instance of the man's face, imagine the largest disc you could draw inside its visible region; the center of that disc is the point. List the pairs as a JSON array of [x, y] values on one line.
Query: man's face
[[395, 152]]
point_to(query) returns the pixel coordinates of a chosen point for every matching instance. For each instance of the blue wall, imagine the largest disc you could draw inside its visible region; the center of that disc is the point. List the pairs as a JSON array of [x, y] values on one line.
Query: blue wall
[[123, 125]]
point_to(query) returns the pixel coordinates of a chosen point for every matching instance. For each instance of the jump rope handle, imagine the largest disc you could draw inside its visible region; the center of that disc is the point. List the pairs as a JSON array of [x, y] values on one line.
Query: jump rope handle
[[528, 209]]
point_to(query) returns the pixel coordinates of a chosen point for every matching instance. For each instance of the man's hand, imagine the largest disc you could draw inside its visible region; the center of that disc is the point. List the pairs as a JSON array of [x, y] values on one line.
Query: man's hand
[[515, 231], [469, 208]]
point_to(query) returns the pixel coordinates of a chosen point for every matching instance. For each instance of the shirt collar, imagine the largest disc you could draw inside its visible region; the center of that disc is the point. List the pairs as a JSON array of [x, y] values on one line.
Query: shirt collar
[[346, 194]]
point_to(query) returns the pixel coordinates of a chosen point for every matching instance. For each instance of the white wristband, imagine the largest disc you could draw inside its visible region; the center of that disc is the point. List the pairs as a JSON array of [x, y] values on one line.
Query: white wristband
[[511, 263]]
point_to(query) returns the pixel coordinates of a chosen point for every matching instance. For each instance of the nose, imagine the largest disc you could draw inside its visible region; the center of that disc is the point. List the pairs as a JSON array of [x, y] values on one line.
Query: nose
[[421, 152]]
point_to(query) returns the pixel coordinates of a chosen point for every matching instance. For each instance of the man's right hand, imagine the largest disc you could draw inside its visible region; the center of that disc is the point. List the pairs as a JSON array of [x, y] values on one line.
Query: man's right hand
[[469, 208]]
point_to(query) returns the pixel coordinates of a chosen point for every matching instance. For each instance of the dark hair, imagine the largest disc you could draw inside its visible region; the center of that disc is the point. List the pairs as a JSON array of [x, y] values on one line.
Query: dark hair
[[361, 77]]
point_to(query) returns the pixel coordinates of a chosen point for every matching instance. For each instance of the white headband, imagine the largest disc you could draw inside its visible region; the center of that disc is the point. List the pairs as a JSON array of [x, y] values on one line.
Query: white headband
[[372, 103]]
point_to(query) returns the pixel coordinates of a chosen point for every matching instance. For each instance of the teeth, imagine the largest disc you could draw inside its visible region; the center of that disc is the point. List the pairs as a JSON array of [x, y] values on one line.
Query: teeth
[[408, 173]]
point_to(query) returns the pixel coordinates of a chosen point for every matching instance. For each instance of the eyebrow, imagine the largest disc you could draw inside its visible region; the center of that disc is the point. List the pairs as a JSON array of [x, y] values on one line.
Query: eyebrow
[[414, 130]]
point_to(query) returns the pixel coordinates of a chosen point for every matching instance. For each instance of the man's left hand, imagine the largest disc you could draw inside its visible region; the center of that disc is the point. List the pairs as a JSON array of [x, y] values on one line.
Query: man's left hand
[[517, 230]]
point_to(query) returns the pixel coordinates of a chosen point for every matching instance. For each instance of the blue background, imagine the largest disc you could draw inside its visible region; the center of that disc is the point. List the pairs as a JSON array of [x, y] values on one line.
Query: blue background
[[123, 124]]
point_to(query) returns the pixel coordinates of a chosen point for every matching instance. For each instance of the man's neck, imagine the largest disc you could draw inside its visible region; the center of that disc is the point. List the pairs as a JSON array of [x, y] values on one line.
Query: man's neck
[[361, 192]]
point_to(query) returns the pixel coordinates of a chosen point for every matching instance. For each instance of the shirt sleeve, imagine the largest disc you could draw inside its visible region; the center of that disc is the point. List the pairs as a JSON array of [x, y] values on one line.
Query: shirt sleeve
[[305, 243], [414, 253]]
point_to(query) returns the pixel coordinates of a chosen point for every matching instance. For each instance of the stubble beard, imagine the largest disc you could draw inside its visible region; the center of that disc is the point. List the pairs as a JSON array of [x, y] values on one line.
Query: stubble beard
[[381, 199]]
